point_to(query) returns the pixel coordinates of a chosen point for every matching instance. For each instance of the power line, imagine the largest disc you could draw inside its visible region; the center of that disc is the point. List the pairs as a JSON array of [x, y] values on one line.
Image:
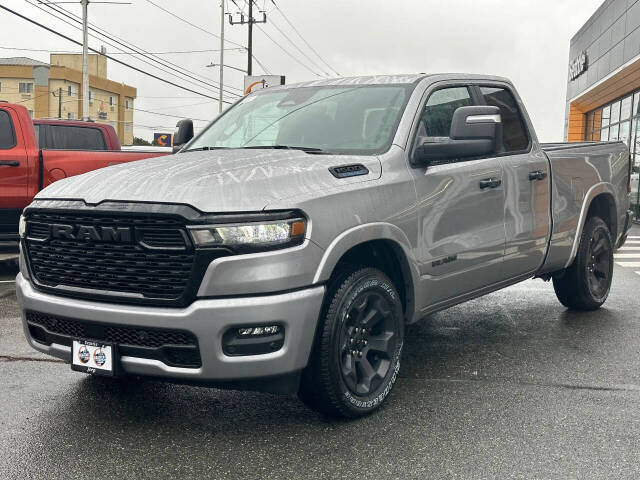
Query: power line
[[302, 38], [251, 2], [209, 50], [107, 56], [299, 49], [114, 38]]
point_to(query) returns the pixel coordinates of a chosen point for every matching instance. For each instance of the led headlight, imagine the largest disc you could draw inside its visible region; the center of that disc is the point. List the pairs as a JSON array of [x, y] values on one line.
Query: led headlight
[[22, 226], [251, 235]]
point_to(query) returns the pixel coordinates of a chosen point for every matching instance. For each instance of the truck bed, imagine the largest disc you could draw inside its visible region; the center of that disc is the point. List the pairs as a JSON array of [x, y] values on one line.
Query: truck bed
[[581, 171]]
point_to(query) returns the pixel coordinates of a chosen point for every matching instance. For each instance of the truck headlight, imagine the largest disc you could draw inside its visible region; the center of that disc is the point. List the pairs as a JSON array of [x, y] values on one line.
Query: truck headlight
[[22, 227], [259, 235]]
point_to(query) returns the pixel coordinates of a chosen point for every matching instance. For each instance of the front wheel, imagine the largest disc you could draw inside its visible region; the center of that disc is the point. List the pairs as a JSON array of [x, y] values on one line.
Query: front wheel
[[586, 283], [356, 354]]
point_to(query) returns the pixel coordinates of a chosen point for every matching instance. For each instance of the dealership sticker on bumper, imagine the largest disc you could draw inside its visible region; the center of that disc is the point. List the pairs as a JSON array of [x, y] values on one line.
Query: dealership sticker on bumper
[[92, 357]]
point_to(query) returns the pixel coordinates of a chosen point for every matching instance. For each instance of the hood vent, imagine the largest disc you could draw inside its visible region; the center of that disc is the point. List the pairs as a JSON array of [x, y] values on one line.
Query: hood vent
[[344, 171]]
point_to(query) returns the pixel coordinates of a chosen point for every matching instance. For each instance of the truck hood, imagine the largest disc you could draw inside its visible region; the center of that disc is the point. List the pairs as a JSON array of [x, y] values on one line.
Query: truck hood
[[214, 180]]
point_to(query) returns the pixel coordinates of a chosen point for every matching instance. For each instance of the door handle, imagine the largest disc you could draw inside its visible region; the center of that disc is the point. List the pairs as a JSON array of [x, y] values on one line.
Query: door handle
[[490, 183], [10, 163], [537, 175]]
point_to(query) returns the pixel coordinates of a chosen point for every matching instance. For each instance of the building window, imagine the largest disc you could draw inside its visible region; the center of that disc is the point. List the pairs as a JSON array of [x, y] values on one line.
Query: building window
[[0, 86], [69, 91], [30, 113], [111, 101], [90, 97], [126, 104], [127, 127], [25, 87], [70, 116], [620, 120]]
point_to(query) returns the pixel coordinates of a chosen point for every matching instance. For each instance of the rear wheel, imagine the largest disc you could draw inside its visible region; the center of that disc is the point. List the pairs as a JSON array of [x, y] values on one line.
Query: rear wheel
[[356, 355], [586, 283]]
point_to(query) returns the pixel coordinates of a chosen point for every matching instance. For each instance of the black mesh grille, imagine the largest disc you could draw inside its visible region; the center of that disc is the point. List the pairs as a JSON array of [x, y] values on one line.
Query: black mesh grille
[[174, 347], [156, 264], [144, 337]]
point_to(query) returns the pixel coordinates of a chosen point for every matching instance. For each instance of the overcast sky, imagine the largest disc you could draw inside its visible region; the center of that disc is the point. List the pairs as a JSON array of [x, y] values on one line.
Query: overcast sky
[[525, 40]]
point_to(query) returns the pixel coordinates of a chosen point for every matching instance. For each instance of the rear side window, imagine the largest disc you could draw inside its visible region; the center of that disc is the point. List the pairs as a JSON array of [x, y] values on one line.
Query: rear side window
[[7, 135], [514, 132], [438, 112], [62, 137]]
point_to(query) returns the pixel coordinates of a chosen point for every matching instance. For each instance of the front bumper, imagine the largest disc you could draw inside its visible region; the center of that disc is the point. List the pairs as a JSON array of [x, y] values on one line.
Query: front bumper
[[207, 319]]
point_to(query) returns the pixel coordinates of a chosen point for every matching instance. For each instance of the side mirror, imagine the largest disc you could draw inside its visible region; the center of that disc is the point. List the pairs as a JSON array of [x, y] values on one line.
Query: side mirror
[[182, 134], [475, 131]]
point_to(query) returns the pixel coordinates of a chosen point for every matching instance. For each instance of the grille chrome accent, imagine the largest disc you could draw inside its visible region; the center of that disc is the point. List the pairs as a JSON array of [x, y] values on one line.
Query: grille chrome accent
[[157, 265]]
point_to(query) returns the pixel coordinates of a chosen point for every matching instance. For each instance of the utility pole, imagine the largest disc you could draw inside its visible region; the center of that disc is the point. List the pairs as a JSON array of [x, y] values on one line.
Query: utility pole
[[85, 61], [221, 52], [250, 41], [249, 21]]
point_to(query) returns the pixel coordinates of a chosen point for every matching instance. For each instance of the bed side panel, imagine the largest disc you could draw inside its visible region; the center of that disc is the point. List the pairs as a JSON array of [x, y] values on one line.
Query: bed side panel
[[579, 174]]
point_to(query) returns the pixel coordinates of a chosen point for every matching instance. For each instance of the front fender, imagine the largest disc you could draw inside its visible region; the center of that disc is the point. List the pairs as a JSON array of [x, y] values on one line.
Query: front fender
[[366, 233]]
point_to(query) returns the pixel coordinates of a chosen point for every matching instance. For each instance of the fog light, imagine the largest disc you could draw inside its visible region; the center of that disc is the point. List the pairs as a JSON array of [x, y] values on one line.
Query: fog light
[[266, 330], [253, 340]]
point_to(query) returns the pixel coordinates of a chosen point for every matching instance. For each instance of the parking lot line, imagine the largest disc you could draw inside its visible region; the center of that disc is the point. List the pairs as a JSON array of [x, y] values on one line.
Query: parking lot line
[[7, 281], [629, 264], [627, 255]]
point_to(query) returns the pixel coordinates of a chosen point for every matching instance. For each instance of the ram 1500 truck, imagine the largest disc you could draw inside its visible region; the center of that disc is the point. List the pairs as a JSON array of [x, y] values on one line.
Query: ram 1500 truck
[[286, 246], [26, 167]]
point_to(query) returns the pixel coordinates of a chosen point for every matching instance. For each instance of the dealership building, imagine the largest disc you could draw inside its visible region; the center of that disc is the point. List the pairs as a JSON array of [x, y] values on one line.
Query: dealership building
[[603, 91]]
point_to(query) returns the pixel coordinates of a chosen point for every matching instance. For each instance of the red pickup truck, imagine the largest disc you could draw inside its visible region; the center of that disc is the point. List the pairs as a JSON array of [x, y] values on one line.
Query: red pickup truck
[[25, 168]]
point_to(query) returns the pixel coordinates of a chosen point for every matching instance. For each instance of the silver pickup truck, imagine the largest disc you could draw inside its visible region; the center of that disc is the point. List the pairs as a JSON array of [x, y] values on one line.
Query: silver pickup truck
[[286, 246]]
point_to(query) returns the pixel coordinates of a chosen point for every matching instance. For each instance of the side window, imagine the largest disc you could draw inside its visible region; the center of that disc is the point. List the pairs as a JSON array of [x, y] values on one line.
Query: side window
[[438, 112], [75, 138], [514, 131], [7, 135]]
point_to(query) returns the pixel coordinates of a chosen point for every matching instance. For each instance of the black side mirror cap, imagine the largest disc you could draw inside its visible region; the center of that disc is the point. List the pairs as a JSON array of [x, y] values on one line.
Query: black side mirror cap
[[183, 134]]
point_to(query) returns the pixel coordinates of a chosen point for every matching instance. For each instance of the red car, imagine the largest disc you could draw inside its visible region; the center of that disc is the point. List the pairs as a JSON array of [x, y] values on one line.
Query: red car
[[26, 167]]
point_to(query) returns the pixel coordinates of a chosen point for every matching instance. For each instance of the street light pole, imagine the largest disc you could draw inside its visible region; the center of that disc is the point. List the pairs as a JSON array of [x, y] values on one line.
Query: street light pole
[[85, 61], [221, 52]]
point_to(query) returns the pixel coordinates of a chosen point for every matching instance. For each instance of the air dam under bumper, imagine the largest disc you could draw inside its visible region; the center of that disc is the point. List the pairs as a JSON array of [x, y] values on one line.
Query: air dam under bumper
[[207, 319]]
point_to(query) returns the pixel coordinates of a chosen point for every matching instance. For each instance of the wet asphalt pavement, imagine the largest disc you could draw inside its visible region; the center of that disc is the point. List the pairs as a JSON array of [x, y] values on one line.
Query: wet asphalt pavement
[[511, 385]]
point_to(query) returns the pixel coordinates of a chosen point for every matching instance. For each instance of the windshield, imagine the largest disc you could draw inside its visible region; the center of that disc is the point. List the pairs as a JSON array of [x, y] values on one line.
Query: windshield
[[344, 119]]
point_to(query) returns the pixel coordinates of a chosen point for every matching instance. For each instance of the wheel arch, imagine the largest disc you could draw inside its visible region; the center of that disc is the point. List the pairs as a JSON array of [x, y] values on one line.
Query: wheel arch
[[599, 200], [380, 245]]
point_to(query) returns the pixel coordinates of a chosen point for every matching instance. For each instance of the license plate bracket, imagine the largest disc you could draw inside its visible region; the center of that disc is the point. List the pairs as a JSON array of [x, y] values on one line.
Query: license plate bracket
[[94, 357]]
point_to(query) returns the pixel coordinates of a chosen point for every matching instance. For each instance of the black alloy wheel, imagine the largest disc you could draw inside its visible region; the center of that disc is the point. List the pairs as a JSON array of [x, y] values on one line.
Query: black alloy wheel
[[599, 263], [586, 283], [356, 354], [368, 342]]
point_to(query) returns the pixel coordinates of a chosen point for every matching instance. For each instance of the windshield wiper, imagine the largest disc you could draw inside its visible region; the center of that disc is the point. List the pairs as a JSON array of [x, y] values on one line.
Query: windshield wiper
[[289, 147], [206, 147]]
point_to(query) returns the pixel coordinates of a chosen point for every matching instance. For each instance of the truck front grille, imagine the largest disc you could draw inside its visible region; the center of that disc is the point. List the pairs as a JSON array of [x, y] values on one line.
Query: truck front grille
[[143, 257], [173, 347]]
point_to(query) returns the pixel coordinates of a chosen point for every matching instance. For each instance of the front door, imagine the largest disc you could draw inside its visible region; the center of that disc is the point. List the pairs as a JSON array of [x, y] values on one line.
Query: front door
[[461, 210], [14, 176]]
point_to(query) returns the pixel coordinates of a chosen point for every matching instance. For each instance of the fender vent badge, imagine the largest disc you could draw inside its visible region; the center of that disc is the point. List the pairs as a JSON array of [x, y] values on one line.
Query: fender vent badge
[[344, 171]]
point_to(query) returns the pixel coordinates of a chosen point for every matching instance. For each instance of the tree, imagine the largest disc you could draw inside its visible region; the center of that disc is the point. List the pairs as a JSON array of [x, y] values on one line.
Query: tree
[[141, 141]]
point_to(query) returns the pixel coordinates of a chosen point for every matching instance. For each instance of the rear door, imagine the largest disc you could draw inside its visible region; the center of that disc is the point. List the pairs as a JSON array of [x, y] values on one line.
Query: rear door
[[461, 222], [14, 174], [526, 182]]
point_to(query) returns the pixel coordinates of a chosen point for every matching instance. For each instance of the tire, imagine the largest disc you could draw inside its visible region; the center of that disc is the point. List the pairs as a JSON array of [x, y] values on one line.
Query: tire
[[356, 354], [586, 283]]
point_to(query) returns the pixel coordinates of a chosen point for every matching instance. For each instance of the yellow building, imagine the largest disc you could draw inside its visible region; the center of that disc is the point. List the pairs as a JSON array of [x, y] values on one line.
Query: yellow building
[[53, 90]]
